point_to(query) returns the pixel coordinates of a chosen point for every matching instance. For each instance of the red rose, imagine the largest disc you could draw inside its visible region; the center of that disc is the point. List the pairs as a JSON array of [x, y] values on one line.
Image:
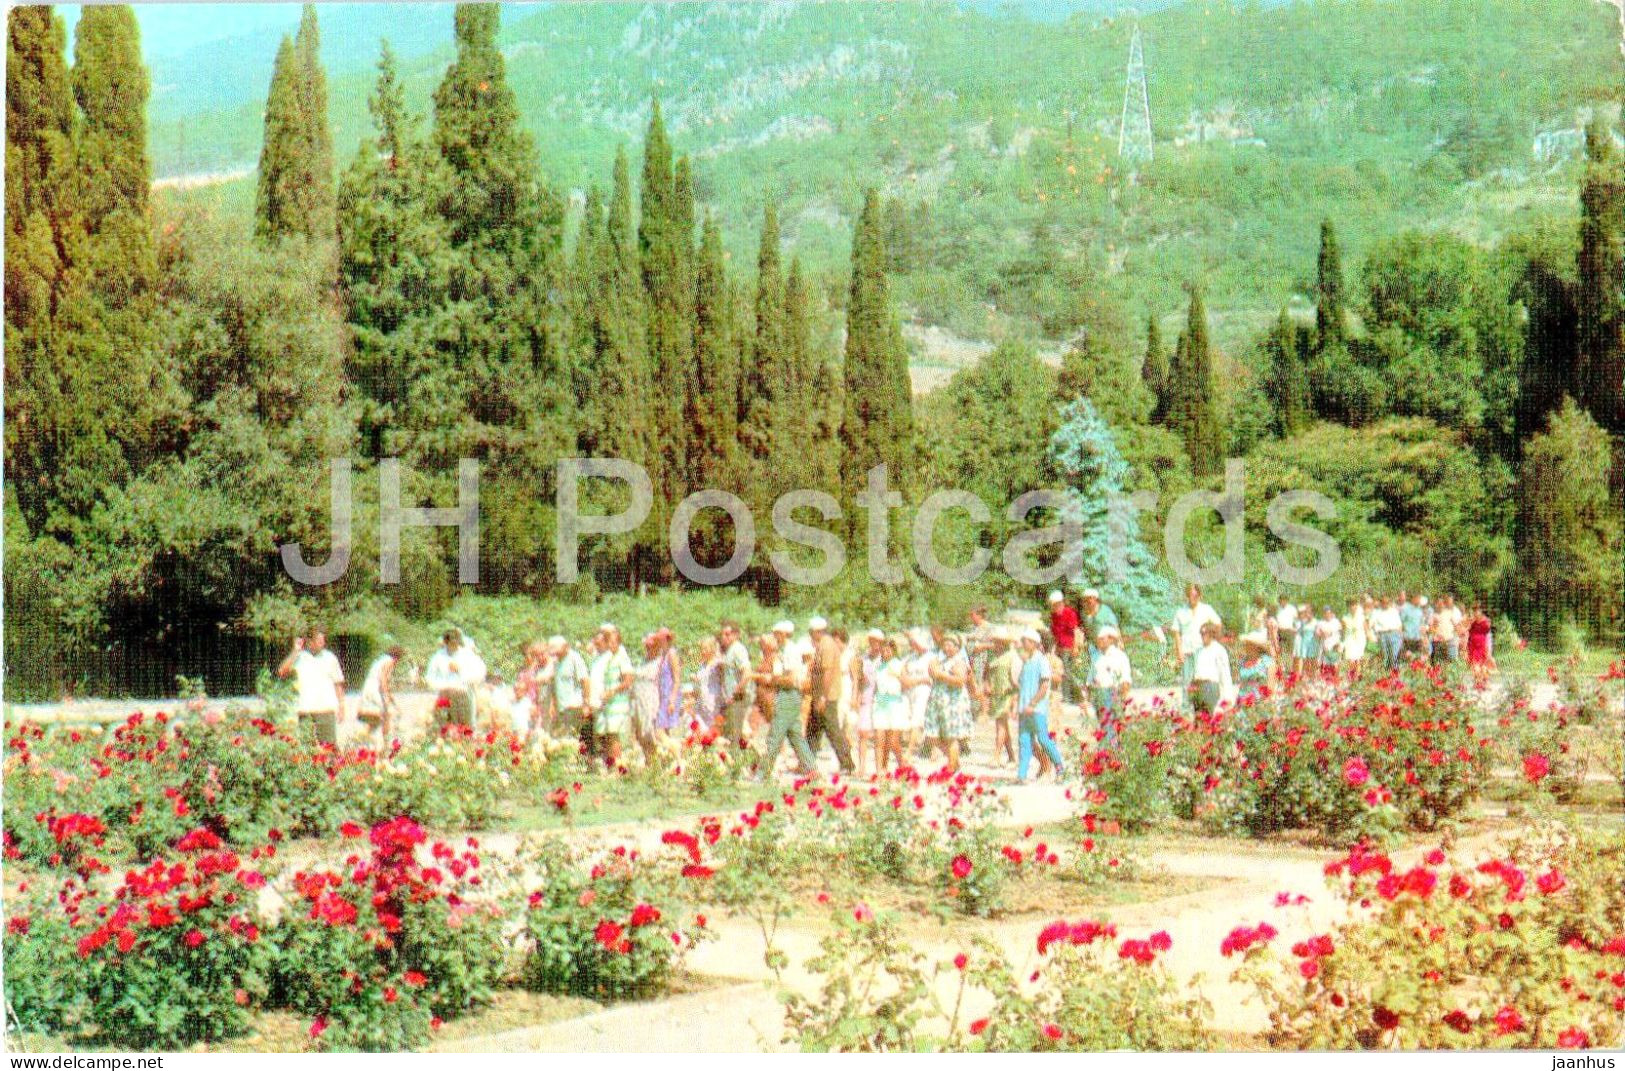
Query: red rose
[[194, 938], [961, 960], [977, 1027], [1535, 767], [961, 867], [1508, 1020], [608, 934]]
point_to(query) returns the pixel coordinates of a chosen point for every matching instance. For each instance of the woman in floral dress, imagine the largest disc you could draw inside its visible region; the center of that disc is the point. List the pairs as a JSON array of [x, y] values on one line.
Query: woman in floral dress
[[948, 712]]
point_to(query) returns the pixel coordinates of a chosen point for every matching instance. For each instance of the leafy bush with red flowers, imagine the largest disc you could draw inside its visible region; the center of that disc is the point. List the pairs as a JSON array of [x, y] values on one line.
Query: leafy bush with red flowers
[[376, 953], [1356, 759], [1131, 781], [1524, 950], [972, 870], [170, 954], [153, 778], [1085, 989], [613, 926]]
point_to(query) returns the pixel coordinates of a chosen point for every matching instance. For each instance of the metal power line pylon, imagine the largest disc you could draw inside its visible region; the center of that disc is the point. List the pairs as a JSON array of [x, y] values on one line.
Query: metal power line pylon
[[1134, 132]]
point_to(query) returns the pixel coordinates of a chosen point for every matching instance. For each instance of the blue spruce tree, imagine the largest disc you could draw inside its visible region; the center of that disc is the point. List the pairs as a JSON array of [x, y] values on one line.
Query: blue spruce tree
[[1085, 459]]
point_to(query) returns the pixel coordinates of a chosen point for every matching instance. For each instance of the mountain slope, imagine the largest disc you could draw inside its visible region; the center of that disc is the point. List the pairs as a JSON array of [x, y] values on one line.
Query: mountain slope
[[1379, 113]]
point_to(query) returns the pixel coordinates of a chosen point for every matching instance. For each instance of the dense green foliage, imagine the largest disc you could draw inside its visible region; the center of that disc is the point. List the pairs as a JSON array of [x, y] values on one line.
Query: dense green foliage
[[180, 372]]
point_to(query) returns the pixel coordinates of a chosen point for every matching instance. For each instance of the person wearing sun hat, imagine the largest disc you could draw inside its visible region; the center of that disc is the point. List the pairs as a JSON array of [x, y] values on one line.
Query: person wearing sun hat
[[1253, 675], [1033, 706], [1110, 677]]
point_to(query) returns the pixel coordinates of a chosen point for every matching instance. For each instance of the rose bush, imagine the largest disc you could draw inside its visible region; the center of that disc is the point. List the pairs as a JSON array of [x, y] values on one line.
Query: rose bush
[[1087, 991], [1521, 950], [613, 927], [170, 954], [378, 952]]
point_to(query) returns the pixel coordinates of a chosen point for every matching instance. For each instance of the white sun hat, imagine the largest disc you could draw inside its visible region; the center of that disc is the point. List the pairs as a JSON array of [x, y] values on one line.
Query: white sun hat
[[817, 624], [785, 627], [1056, 596]]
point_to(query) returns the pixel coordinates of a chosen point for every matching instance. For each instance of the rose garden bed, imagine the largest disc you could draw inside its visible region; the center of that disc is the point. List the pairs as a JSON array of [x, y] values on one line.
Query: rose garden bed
[[153, 903]]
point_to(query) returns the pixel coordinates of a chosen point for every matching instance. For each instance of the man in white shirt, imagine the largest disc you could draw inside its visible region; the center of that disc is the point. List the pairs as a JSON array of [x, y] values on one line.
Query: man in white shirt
[[1109, 681], [1385, 625], [1443, 631], [570, 689], [1188, 623], [1286, 632], [1210, 679], [318, 684], [449, 673]]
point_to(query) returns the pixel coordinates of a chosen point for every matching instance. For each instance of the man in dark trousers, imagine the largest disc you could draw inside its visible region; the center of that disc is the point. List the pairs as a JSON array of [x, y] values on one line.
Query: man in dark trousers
[[824, 714]]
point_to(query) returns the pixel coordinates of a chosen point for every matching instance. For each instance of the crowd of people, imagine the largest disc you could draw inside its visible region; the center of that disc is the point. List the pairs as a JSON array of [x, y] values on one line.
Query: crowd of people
[[881, 700]]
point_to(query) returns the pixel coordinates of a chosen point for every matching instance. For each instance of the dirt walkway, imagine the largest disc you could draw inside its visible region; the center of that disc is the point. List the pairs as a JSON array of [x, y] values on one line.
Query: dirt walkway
[[748, 1017]]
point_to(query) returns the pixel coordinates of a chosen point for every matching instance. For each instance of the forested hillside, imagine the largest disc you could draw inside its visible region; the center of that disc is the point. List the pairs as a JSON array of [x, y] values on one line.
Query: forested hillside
[[998, 134]]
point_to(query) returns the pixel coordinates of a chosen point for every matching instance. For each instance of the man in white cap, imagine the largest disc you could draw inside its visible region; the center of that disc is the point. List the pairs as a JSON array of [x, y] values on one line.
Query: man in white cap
[[824, 693], [1032, 708], [1096, 616], [1110, 677], [1063, 626]]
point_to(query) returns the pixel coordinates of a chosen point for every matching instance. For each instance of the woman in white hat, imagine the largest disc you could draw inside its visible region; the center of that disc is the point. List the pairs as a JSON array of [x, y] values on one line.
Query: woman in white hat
[[865, 677]]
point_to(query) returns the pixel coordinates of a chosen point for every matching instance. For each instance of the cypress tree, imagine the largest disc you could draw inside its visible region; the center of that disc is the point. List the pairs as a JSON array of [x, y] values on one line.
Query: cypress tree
[[39, 118], [877, 422], [39, 124], [1154, 372], [318, 149], [110, 86], [1191, 409], [1599, 375], [1328, 290], [713, 388], [1287, 383], [620, 324], [498, 201], [393, 260], [296, 195], [663, 246]]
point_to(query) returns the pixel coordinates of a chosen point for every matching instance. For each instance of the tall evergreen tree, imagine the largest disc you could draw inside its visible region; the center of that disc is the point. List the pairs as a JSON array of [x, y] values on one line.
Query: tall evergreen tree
[[1154, 370], [296, 194], [622, 379], [713, 415], [1328, 290], [39, 146], [664, 245], [1599, 383], [110, 86], [877, 422], [1569, 537], [498, 201], [39, 154], [1083, 454], [760, 379], [1287, 383], [394, 263], [1191, 409]]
